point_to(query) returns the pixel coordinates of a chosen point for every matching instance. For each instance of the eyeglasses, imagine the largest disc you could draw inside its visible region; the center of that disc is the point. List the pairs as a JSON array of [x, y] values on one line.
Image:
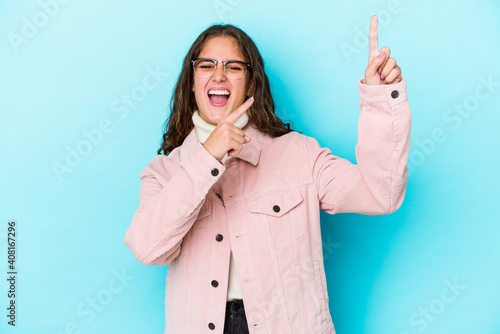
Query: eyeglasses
[[234, 69]]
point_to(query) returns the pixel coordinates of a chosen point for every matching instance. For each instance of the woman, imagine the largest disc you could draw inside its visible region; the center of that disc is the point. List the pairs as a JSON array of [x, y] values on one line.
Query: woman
[[232, 204]]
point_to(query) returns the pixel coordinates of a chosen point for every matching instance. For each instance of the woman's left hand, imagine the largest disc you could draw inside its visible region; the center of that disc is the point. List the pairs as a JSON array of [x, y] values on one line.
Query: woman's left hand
[[381, 68]]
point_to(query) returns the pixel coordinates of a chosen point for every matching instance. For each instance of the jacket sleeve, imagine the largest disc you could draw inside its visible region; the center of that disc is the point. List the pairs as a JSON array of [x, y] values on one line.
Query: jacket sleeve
[[377, 184], [170, 198]]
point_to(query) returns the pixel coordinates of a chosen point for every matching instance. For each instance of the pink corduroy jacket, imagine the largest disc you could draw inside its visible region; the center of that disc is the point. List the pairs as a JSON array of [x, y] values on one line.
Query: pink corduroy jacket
[[265, 205]]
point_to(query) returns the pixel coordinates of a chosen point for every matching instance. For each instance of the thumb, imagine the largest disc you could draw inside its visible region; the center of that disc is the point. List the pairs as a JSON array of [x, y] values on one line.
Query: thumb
[[372, 68]]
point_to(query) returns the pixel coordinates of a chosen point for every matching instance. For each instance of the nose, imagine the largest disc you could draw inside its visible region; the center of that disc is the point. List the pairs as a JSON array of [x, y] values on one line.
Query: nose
[[219, 74]]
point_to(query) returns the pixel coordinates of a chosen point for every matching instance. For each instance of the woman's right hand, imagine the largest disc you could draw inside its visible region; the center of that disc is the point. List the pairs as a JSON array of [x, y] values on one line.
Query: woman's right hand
[[228, 138]]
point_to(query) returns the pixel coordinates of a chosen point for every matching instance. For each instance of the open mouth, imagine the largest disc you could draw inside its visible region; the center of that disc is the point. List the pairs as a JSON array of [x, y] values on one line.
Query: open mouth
[[218, 97]]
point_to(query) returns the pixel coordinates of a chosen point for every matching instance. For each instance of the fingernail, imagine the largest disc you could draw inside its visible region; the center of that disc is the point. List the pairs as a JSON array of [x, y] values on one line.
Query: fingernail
[[381, 54], [382, 77], [251, 98], [379, 70]]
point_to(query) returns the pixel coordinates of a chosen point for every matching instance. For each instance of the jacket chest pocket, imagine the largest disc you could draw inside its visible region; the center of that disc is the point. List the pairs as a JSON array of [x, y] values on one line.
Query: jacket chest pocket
[[278, 217]]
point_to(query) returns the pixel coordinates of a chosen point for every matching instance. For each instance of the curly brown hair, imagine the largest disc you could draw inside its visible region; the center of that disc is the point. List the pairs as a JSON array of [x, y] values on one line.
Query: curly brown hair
[[183, 103]]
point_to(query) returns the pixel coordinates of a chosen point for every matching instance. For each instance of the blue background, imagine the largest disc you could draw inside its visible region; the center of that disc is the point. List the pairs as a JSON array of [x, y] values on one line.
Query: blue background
[[386, 274]]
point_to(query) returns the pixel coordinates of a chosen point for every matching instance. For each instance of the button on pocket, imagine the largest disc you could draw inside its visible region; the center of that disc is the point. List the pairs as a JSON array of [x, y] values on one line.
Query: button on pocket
[[278, 217]]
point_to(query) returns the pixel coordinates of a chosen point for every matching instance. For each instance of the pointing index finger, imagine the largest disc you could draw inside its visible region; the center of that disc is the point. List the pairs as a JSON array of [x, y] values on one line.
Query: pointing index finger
[[373, 39], [236, 114]]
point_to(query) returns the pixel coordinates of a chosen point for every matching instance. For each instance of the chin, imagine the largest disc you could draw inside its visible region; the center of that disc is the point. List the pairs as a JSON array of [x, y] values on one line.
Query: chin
[[213, 118], [215, 115]]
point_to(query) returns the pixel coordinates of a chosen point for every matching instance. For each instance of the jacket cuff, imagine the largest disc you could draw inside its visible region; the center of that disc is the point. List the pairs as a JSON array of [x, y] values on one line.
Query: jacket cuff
[[393, 94], [207, 167]]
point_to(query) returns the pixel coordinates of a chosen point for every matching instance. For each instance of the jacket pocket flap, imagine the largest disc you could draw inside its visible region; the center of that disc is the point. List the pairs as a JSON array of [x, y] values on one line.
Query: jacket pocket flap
[[277, 202]]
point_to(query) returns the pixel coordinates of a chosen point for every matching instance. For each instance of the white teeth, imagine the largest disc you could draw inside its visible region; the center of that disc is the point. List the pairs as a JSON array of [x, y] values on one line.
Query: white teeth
[[218, 92]]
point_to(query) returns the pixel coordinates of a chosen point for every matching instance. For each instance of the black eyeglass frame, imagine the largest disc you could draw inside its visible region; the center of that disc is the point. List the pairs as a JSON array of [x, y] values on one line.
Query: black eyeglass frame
[[216, 62]]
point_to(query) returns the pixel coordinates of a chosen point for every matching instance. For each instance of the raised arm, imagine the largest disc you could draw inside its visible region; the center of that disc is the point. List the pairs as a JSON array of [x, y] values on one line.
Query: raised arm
[[377, 184]]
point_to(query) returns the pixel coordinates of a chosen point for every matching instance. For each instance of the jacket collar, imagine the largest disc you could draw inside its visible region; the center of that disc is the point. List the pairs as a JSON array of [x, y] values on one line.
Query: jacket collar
[[250, 151]]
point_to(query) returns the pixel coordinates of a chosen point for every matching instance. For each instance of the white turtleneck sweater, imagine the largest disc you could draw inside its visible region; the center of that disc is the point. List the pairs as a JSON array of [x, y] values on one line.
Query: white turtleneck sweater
[[203, 130]]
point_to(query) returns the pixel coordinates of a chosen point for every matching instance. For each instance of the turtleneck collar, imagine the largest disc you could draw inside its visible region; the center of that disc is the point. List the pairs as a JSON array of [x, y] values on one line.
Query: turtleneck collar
[[204, 129]]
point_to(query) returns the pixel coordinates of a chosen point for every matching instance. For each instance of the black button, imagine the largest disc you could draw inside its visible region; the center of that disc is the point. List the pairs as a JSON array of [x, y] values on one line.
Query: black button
[[215, 172], [218, 237], [276, 208], [395, 94], [215, 283], [218, 195], [211, 326]]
